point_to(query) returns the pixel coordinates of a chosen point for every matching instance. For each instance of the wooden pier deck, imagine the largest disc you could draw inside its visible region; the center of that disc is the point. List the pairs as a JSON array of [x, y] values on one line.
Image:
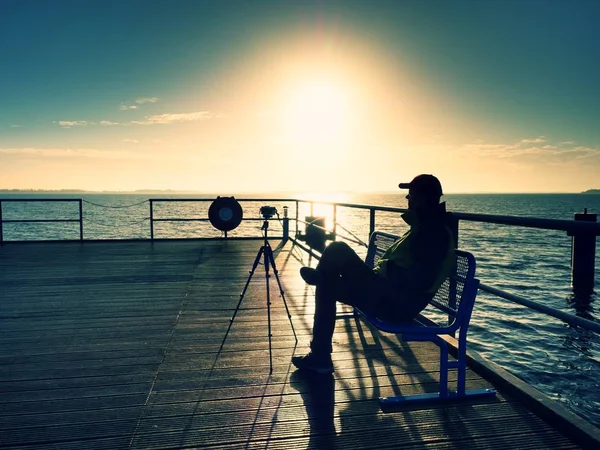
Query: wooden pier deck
[[116, 346]]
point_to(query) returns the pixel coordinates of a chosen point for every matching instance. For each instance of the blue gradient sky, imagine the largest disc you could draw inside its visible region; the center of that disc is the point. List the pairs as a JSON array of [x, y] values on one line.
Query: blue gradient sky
[[492, 96]]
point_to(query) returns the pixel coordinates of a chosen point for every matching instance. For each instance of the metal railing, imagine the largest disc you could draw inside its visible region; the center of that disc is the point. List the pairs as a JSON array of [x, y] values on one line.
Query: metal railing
[[42, 200], [154, 219], [583, 232]]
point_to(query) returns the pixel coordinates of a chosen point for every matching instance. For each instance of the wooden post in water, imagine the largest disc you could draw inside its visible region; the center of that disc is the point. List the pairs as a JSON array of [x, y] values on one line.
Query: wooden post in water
[[583, 257], [151, 220], [80, 219]]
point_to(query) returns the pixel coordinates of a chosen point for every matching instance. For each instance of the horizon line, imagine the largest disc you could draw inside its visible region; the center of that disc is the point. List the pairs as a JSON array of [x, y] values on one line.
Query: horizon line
[[196, 191]]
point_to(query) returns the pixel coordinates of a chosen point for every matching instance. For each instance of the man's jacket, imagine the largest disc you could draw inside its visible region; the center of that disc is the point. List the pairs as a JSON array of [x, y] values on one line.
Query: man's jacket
[[417, 264]]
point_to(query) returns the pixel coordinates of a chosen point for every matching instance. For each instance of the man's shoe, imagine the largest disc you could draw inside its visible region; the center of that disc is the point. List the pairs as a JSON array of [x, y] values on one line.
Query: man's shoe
[[310, 275], [322, 365]]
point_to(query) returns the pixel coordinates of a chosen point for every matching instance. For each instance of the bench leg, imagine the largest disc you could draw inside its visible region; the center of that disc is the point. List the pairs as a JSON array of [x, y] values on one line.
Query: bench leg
[[443, 369], [445, 365]]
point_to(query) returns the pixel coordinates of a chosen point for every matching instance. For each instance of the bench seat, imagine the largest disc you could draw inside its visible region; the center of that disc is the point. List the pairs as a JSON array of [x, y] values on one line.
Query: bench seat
[[447, 314]]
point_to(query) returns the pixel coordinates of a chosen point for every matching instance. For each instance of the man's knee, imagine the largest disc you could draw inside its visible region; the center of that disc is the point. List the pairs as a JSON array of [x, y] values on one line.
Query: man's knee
[[336, 256], [337, 248]]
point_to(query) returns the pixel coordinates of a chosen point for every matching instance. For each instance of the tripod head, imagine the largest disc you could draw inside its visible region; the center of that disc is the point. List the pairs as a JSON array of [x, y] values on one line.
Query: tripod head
[[267, 212]]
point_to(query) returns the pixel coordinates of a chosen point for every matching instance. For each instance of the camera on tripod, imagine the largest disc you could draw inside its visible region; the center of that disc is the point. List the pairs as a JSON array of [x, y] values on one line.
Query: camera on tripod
[[268, 211]]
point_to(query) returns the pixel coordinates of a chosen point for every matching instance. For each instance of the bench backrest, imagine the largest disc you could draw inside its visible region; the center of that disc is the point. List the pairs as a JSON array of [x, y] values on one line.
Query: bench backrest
[[455, 297]]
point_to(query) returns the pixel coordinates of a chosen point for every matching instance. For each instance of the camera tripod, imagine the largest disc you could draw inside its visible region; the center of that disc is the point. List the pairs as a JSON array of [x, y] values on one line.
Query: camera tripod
[[267, 253]]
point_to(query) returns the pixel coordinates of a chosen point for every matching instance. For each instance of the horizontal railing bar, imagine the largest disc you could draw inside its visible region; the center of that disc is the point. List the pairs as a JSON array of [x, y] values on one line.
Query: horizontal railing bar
[[358, 206], [214, 238], [202, 219], [37, 220], [40, 199], [566, 317], [213, 199], [529, 222], [180, 220], [533, 222]]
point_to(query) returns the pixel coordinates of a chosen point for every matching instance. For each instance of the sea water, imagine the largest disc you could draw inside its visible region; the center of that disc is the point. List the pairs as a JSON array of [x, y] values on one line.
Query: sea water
[[561, 360]]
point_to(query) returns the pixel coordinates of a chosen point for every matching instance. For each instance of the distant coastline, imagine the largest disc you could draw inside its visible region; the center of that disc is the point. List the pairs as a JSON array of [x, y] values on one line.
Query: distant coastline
[[591, 191], [83, 191]]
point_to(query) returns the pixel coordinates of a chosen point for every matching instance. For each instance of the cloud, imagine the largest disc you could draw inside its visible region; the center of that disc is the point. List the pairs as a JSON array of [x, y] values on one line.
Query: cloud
[[146, 100], [138, 101], [74, 123], [527, 150], [89, 153], [135, 141], [173, 118], [157, 119], [537, 140], [16, 126]]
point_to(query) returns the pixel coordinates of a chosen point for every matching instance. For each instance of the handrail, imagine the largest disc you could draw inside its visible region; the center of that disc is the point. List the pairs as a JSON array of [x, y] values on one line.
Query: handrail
[[523, 221], [558, 314], [153, 219], [287, 200], [11, 200], [572, 227]]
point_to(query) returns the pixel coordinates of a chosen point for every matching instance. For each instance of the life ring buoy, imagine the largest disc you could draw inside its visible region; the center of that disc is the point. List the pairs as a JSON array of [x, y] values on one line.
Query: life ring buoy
[[225, 213]]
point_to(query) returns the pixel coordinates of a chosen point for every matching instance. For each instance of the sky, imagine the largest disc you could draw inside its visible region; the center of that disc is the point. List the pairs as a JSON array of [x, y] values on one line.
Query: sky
[[300, 96]]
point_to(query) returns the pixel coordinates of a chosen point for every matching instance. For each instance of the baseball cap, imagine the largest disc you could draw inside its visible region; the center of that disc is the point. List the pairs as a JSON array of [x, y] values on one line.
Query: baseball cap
[[424, 184]]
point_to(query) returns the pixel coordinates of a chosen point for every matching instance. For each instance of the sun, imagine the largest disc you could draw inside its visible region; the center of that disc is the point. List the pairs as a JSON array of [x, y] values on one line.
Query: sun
[[317, 111]]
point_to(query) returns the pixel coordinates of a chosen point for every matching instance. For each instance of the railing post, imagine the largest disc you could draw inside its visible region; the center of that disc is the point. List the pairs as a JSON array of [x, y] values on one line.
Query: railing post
[[583, 256], [452, 222], [151, 219], [80, 219], [335, 222], [297, 231], [371, 221], [286, 224]]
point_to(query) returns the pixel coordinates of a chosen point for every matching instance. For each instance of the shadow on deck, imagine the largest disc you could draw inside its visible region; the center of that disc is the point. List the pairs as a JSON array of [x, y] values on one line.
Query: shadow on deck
[[116, 345]]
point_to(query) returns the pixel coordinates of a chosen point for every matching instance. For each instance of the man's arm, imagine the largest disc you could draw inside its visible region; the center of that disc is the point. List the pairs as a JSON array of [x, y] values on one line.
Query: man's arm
[[428, 250]]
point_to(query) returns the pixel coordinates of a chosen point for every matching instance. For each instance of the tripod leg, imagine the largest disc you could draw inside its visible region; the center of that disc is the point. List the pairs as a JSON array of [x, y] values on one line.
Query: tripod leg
[[256, 261], [269, 256], [267, 248]]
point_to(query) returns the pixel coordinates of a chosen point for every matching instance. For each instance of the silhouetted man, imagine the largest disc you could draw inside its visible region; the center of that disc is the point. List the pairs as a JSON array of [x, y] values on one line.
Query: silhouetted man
[[401, 284]]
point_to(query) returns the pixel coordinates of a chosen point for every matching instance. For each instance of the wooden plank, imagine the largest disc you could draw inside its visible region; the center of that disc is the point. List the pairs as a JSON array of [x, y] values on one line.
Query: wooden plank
[[115, 345]]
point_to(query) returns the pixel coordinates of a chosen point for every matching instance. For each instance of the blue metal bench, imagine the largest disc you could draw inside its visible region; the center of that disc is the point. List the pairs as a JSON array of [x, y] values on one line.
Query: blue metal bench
[[453, 302]]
